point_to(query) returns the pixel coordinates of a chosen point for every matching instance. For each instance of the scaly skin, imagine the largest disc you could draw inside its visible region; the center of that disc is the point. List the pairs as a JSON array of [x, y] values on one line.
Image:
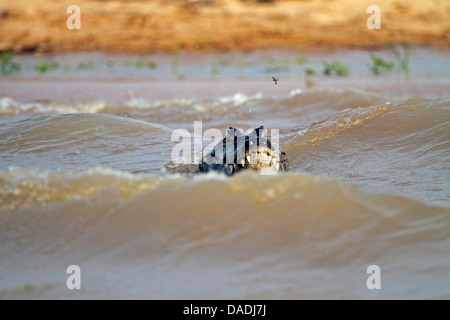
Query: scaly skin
[[249, 151]]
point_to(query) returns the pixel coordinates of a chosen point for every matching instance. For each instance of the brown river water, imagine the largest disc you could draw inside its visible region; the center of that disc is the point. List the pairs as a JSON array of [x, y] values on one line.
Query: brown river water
[[81, 153]]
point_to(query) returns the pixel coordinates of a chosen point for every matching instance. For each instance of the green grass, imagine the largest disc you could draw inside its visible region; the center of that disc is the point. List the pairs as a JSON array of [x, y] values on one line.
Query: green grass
[[46, 66], [176, 57], [7, 65], [401, 63], [310, 72], [151, 65], [402, 59], [379, 65], [86, 65], [144, 64], [336, 68], [300, 59]]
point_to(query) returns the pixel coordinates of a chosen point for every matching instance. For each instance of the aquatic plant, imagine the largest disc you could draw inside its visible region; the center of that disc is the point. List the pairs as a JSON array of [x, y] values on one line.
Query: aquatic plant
[[8, 66], [144, 64], [151, 65], [379, 64], [310, 72], [402, 59], [176, 57], [46, 66], [86, 65], [337, 68], [300, 59]]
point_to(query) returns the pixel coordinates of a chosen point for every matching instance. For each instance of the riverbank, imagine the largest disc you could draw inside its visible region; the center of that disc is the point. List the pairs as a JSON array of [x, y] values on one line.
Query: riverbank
[[169, 26]]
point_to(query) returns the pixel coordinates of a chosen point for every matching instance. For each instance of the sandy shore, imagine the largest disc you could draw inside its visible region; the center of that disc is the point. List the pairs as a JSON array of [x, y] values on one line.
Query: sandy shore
[[219, 25]]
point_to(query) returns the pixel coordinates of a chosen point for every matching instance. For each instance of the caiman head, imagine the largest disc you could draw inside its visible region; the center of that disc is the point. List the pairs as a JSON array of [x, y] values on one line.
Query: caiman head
[[239, 151]]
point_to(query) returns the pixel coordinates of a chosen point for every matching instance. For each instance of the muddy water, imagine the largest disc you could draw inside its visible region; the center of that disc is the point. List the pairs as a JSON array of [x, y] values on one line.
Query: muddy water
[[81, 153]]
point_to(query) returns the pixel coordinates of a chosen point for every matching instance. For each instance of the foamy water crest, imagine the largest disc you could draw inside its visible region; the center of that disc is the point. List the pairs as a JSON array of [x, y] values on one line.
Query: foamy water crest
[[10, 106]]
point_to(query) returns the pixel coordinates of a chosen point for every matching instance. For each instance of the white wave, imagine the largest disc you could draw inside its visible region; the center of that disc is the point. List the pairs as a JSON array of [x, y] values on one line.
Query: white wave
[[11, 106]]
